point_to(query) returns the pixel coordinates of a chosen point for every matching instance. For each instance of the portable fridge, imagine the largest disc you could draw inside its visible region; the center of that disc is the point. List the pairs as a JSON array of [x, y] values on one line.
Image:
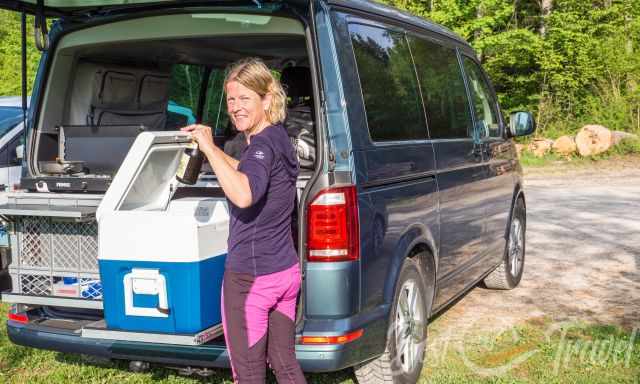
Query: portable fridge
[[161, 259]]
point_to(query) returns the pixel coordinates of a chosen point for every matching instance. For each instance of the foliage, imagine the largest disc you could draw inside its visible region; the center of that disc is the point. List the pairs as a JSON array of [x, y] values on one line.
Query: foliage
[[578, 64], [10, 48]]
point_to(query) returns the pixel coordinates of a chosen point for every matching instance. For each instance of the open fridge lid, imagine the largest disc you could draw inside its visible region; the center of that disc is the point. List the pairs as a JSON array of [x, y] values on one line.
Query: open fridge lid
[[146, 179]]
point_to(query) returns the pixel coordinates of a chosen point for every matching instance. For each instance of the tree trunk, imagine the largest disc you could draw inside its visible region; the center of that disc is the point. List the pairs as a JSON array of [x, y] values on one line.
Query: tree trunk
[[593, 139], [545, 10]]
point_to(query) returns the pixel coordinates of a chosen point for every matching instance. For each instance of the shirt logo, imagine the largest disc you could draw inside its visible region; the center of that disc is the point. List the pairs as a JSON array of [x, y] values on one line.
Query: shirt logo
[[259, 155]]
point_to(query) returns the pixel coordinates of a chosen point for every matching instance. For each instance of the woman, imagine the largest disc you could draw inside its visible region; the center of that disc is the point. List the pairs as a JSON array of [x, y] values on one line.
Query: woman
[[262, 275]]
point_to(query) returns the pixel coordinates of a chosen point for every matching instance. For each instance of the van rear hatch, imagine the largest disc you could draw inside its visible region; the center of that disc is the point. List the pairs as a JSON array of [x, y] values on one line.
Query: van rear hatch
[[59, 8]]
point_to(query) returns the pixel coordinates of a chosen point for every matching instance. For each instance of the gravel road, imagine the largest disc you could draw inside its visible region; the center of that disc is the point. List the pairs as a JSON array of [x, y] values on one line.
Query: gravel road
[[582, 257]]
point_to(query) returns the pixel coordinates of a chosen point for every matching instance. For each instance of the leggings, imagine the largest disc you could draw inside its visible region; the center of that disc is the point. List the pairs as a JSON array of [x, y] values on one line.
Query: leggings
[[258, 314]]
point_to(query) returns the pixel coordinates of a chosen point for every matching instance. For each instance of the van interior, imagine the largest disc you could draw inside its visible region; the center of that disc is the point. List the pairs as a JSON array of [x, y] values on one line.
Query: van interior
[[109, 83]]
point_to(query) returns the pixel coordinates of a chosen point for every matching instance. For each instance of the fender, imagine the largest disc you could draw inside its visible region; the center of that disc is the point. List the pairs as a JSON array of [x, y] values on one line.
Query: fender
[[415, 237]]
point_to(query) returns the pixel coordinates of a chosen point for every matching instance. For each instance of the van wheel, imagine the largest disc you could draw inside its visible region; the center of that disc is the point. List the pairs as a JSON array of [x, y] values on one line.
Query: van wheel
[[509, 272], [403, 357]]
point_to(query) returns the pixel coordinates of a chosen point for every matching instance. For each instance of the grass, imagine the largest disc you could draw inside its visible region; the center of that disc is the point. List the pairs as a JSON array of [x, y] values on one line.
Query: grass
[[530, 353]]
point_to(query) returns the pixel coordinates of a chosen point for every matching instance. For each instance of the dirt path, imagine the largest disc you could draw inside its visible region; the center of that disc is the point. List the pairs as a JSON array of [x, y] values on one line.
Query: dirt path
[[582, 256]]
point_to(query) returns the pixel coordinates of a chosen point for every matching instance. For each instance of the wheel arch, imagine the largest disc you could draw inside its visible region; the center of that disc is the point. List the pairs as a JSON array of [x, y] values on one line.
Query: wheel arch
[[421, 246]]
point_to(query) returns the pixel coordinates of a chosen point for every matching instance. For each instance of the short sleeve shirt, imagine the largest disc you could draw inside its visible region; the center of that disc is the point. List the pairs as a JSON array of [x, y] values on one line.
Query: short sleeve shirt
[[260, 236]]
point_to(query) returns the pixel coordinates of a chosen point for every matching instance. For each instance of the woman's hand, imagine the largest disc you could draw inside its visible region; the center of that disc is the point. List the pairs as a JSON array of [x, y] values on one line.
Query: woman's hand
[[203, 135], [234, 183]]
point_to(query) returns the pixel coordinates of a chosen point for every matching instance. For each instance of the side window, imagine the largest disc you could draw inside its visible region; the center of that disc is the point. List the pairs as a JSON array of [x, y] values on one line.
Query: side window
[[389, 85], [184, 92], [482, 100], [443, 91]]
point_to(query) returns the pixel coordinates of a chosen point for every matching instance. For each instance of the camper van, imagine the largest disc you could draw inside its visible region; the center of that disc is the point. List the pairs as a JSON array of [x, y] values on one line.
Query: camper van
[[409, 194]]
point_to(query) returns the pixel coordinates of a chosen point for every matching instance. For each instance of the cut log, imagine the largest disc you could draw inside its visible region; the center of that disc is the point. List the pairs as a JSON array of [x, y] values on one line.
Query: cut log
[[618, 136], [593, 139], [564, 145], [540, 146]]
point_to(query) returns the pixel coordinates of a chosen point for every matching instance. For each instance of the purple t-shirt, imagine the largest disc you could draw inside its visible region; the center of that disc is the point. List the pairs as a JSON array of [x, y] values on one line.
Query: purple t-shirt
[[260, 238]]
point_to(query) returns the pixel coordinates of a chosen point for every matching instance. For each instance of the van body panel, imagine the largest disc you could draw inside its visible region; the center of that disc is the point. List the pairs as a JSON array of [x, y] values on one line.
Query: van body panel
[[500, 167], [339, 286], [396, 218], [462, 214]]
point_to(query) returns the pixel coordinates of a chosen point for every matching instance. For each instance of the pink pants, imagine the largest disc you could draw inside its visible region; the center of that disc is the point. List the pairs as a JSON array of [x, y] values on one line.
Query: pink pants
[[258, 317]]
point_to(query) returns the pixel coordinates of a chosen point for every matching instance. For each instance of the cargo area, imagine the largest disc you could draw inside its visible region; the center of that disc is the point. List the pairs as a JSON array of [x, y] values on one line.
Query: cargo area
[[105, 86]]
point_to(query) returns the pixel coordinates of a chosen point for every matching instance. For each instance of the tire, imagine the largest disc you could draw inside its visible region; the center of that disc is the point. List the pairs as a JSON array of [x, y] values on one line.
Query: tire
[[509, 272], [403, 367]]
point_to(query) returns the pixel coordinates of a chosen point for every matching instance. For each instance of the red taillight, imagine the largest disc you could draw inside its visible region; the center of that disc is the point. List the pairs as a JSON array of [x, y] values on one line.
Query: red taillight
[[18, 317], [332, 226], [342, 339]]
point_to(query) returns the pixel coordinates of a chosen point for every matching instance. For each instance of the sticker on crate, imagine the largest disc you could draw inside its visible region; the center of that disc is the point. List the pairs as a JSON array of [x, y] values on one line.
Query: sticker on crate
[[78, 288]]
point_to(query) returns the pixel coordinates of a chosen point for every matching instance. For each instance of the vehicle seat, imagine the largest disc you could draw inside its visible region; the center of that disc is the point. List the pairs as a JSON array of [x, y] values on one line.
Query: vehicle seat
[[129, 97], [300, 118]]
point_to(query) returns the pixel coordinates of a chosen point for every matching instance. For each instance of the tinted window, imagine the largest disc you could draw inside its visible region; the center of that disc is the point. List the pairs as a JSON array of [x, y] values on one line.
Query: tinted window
[[483, 103], [215, 108], [389, 85], [184, 93], [443, 90]]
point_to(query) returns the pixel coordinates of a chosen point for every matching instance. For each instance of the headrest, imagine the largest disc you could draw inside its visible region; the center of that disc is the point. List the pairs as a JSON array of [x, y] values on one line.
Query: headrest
[[296, 81]]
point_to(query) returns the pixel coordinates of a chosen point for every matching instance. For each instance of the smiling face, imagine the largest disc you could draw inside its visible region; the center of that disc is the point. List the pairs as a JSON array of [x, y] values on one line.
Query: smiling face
[[246, 108]]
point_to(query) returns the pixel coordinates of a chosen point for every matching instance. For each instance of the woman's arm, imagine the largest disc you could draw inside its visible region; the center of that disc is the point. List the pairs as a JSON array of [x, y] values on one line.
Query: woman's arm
[[234, 183], [232, 162]]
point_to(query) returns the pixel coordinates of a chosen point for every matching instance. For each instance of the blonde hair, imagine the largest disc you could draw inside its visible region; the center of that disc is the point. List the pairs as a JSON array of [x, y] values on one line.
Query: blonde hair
[[254, 74]]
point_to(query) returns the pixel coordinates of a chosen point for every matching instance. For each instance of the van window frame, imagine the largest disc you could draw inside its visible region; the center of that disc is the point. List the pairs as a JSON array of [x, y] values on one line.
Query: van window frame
[[492, 94], [430, 36], [352, 18]]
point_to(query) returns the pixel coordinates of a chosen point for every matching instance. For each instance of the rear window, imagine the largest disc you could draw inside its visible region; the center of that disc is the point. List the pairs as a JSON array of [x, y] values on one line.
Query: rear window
[[389, 85]]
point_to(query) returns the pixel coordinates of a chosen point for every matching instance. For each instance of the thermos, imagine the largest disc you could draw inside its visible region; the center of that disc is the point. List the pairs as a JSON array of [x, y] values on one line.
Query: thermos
[[190, 164]]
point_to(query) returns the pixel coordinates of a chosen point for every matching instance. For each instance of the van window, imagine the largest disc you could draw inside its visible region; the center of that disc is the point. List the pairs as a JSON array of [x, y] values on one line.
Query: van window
[[215, 107], [483, 102], [389, 85], [184, 93], [443, 91]]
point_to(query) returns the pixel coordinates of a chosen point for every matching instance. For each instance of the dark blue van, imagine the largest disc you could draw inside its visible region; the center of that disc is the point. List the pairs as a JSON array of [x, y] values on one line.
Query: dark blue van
[[410, 191]]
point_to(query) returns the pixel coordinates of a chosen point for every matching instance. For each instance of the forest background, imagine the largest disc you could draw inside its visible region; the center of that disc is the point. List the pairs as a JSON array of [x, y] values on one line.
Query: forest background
[[570, 62]]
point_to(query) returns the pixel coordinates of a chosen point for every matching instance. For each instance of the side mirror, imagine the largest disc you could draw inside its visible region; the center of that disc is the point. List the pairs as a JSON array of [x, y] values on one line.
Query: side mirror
[[521, 124]]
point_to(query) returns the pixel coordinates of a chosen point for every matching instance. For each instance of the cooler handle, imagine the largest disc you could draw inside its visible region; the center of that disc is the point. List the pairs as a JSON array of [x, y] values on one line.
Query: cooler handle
[[147, 282]]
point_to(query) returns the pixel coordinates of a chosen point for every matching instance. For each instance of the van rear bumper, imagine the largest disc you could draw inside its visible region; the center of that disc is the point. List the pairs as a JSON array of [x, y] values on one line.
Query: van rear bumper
[[312, 358]]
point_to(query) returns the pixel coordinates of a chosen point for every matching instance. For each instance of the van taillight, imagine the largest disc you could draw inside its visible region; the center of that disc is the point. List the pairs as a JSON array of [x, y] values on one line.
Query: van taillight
[[332, 226], [16, 316]]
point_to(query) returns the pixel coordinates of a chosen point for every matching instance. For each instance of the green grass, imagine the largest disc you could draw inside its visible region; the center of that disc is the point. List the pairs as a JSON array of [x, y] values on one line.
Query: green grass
[[561, 356]]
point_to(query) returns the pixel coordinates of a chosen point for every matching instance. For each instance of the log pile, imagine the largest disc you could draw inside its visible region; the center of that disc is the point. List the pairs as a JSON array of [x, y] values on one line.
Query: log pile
[[589, 141]]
